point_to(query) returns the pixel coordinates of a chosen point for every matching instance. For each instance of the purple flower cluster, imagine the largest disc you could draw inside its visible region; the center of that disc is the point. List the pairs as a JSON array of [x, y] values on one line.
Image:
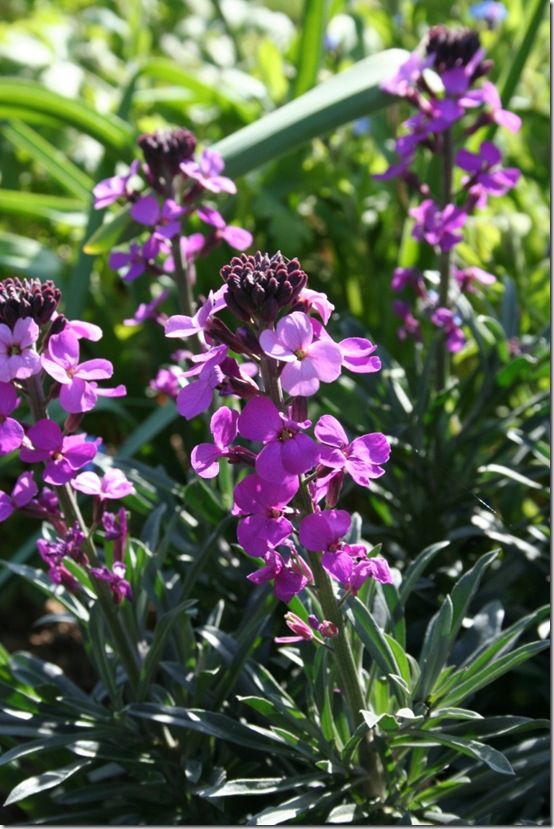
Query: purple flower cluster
[[446, 83], [167, 189], [275, 359], [40, 361]]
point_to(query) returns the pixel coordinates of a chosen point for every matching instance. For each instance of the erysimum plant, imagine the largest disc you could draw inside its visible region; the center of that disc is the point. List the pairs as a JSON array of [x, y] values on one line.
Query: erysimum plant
[[205, 709]]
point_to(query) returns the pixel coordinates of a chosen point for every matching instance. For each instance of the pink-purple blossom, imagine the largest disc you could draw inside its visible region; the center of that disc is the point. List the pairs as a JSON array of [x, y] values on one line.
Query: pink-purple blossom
[[236, 237], [23, 492], [112, 486], [206, 172], [180, 325], [361, 458], [438, 226], [115, 579], [63, 455], [18, 356], [79, 391], [308, 361], [302, 631], [11, 431], [165, 217], [111, 189], [206, 456], [261, 505], [444, 318], [287, 450], [135, 261], [288, 577]]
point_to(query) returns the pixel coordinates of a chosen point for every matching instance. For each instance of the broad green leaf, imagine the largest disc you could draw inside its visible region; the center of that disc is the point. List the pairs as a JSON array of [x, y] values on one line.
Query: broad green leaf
[[464, 590], [41, 782], [211, 725], [435, 650], [53, 208], [348, 95], [258, 785], [107, 235], [463, 688], [290, 809], [110, 131], [486, 754], [54, 161]]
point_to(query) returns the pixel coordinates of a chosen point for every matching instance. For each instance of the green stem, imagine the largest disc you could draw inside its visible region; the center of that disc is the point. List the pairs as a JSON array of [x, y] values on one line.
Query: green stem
[[183, 277], [342, 651], [72, 515], [445, 258]]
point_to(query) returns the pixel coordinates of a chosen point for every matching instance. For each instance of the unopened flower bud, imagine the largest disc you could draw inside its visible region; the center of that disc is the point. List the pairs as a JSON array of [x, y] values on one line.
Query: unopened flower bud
[[328, 629], [298, 626], [453, 48], [164, 152], [22, 298], [260, 286]]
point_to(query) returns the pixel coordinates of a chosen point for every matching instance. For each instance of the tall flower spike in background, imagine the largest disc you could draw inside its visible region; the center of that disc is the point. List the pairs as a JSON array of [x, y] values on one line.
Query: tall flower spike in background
[[445, 81]]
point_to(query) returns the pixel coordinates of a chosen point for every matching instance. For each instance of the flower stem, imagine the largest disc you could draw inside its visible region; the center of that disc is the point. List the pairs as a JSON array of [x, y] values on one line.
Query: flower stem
[[344, 659], [183, 276], [445, 256], [72, 515]]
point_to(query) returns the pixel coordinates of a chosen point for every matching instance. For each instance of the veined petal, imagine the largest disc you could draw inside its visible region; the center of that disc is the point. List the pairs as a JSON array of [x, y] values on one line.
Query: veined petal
[[259, 420]]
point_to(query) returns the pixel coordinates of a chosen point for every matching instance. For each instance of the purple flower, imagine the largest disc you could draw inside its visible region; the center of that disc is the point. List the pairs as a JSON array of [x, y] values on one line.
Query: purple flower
[[115, 528], [63, 455], [368, 568], [403, 82], [182, 326], [468, 276], [11, 431], [196, 397], [61, 361], [121, 589], [111, 189], [408, 276], [302, 631], [410, 326], [484, 180], [263, 503], [445, 319], [205, 457], [165, 217], [147, 311], [437, 226], [23, 492], [361, 459], [53, 552], [84, 330], [137, 259], [18, 358], [289, 579], [168, 381], [316, 300], [287, 452], [191, 246], [307, 361], [488, 94], [206, 172], [356, 353], [322, 532], [236, 237], [113, 485]]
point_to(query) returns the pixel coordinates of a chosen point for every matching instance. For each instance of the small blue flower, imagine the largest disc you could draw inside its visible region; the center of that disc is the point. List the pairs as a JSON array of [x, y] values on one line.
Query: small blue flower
[[491, 11]]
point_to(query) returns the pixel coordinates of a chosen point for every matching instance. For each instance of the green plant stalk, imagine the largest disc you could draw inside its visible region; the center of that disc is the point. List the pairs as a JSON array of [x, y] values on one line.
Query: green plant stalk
[[183, 278], [342, 652], [445, 258], [72, 514]]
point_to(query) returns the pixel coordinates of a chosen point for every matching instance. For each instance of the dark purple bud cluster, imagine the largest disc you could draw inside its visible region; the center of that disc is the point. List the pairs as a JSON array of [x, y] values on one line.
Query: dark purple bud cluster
[[23, 298], [453, 48], [164, 151], [260, 286]]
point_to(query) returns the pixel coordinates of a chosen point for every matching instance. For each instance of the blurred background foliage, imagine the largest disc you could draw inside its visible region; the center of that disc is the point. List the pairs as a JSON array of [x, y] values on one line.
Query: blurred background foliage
[[470, 467]]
